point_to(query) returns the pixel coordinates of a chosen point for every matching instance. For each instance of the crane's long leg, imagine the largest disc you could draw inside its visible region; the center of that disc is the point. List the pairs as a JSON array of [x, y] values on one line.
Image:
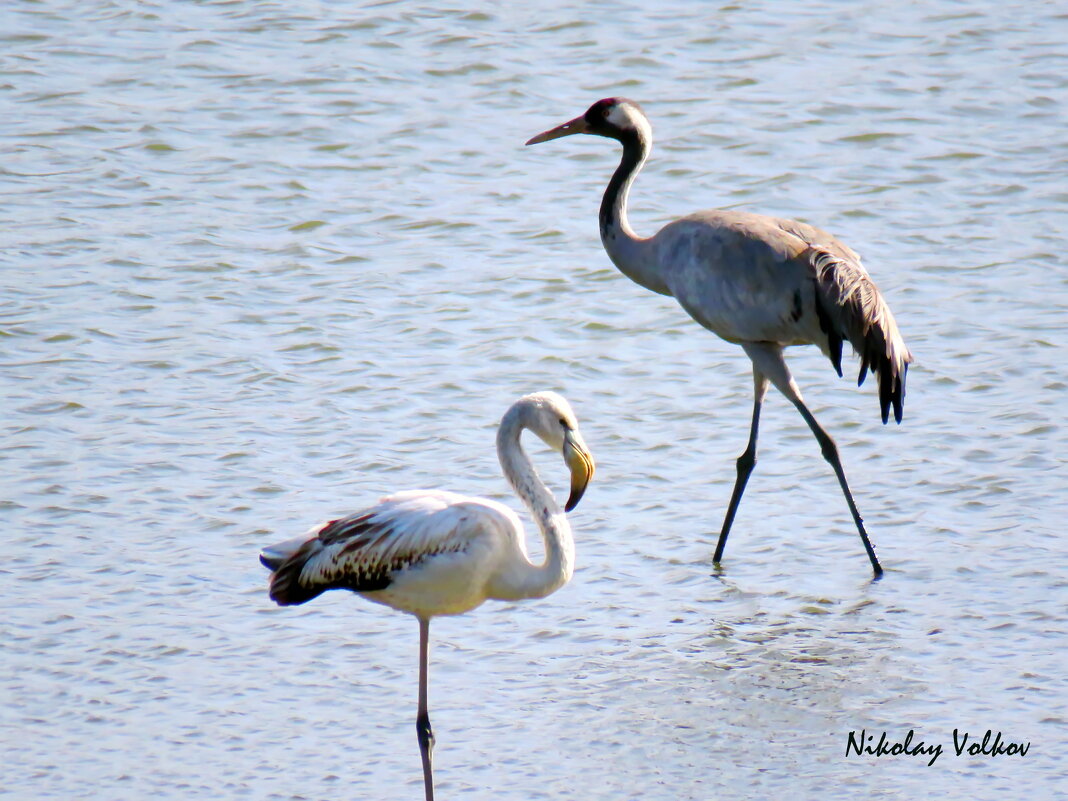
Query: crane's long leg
[[422, 720], [768, 359], [745, 462], [830, 453]]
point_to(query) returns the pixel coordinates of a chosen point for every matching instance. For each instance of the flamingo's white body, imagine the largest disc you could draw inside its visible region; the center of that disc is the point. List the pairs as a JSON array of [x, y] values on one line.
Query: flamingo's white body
[[430, 552], [761, 282]]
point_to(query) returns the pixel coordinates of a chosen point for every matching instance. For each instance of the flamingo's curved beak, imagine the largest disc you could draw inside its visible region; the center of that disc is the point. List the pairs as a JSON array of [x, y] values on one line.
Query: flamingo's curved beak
[[579, 461], [575, 126]]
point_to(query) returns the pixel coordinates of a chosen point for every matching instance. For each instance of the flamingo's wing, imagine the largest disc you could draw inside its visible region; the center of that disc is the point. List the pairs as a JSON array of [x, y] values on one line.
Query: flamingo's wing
[[363, 551]]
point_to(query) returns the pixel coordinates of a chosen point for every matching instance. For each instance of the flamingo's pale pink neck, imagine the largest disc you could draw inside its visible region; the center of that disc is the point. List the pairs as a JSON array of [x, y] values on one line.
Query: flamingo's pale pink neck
[[521, 579]]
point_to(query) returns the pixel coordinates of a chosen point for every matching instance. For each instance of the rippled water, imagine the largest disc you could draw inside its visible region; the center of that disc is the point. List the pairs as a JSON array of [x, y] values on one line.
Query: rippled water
[[263, 263]]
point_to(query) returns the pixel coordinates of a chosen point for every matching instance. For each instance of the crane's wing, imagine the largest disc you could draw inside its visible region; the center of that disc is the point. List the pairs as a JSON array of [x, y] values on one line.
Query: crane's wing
[[362, 552], [849, 306]]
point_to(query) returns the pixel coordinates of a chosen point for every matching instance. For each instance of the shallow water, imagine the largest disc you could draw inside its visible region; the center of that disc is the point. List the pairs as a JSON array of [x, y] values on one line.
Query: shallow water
[[263, 263]]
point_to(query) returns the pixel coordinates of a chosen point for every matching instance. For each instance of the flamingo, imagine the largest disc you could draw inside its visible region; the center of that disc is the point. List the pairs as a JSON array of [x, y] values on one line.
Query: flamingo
[[760, 282], [429, 552]]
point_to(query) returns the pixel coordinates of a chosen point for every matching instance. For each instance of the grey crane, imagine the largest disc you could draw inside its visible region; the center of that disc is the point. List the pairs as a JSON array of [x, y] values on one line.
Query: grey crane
[[757, 281]]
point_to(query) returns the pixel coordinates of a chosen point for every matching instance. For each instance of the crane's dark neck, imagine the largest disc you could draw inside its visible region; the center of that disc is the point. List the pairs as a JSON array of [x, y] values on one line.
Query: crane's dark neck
[[614, 203], [629, 252]]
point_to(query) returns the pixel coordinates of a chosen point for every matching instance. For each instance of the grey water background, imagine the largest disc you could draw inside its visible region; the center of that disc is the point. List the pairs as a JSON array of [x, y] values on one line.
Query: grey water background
[[264, 262]]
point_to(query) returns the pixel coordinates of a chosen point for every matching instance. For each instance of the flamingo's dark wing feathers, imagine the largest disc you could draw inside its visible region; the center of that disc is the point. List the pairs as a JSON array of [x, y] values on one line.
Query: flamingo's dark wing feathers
[[363, 551]]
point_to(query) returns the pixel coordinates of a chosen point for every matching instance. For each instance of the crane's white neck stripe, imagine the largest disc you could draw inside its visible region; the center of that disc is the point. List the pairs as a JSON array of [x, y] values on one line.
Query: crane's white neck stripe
[[626, 117]]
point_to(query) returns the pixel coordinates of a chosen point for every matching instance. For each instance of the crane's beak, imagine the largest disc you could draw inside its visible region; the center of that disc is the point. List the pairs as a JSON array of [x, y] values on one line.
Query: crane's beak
[[575, 126], [580, 462]]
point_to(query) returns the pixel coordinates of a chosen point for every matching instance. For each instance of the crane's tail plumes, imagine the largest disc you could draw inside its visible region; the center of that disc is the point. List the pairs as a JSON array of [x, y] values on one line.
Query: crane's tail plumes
[[286, 561], [851, 307]]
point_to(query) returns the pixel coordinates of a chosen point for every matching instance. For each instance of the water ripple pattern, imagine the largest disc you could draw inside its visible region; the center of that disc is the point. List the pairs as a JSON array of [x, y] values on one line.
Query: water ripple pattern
[[265, 262]]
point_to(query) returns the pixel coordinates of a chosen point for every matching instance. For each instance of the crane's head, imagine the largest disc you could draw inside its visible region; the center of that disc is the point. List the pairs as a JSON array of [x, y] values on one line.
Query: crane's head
[[614, 117], [549, 416]]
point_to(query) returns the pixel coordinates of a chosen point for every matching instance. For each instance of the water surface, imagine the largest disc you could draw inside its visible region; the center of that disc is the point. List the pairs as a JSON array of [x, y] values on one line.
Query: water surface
[[263, 263]]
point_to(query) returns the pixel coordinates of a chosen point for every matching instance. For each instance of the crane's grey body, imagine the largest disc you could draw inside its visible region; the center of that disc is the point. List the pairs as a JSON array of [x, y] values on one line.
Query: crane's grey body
[[750, 278], [761, 282], [726, 269]]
